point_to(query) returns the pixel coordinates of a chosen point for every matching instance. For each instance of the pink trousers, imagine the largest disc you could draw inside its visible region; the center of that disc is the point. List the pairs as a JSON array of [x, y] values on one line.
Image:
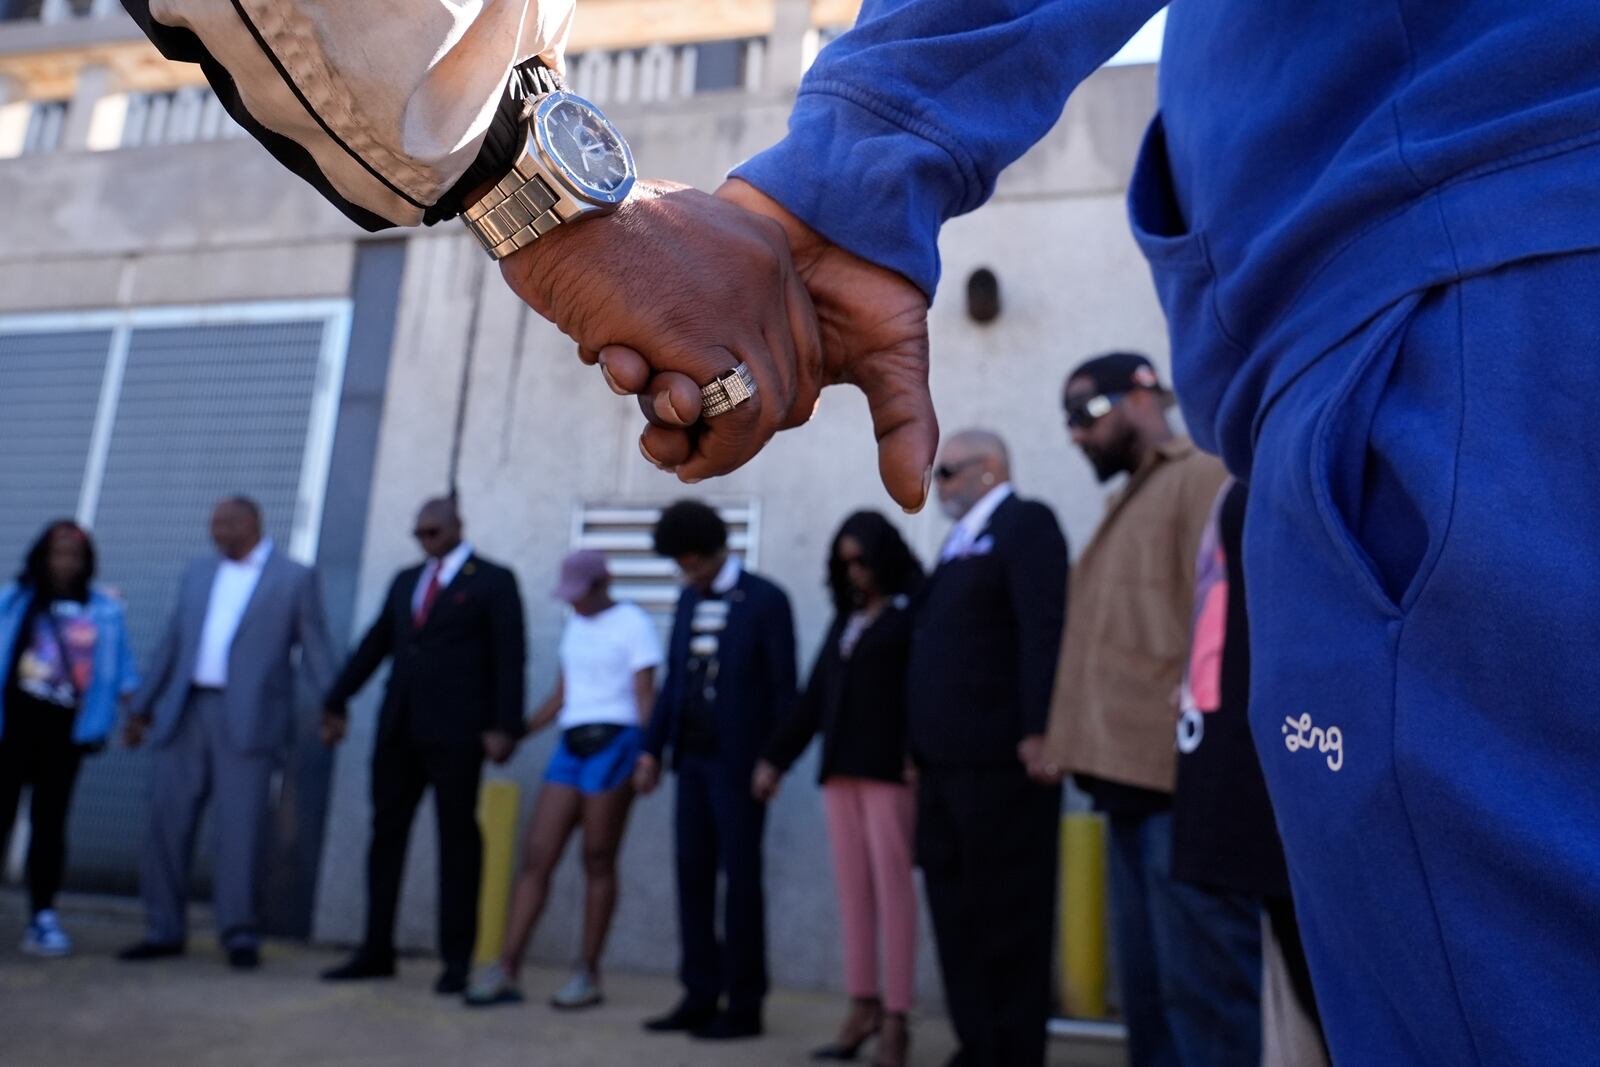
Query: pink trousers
[[870, 827]]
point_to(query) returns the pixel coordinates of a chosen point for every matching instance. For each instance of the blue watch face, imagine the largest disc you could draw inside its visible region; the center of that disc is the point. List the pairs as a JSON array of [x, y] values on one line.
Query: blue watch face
[[591, 153]]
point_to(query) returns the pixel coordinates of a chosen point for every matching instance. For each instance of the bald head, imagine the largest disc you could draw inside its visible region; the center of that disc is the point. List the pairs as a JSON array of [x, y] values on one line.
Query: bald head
[[438, 528], [985, 444], [971, 463]]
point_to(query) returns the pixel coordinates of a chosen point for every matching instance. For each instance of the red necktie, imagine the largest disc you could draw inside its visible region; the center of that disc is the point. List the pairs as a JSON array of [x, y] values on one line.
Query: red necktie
[[429, 595]]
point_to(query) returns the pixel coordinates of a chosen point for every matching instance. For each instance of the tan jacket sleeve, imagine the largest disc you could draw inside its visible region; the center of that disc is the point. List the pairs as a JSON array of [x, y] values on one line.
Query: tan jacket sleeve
[[384, 105], [1203, 482]]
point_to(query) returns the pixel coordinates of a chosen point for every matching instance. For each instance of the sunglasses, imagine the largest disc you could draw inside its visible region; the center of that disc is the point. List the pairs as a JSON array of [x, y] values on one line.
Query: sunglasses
[[945, 471], [427, 533], [1085, 412]]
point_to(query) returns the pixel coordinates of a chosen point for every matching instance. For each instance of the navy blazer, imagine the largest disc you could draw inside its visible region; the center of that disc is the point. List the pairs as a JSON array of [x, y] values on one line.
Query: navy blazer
[[986, 634], [756, 676]]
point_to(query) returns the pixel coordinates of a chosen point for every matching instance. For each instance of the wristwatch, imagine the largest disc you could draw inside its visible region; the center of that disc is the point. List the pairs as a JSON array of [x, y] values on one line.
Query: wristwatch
[[573, 165]]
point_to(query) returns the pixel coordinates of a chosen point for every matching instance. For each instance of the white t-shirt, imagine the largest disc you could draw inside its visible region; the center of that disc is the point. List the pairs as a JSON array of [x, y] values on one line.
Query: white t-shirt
[[599, 657]]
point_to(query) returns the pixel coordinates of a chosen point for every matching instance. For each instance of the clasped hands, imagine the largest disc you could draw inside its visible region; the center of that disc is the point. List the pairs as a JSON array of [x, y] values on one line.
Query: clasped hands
[[678, 287]]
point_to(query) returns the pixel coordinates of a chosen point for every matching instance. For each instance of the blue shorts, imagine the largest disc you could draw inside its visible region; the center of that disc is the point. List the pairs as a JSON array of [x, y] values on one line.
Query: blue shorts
[[601, 772]]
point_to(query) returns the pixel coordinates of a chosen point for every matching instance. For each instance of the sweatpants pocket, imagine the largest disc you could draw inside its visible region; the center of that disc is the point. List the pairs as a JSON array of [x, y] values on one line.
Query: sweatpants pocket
[[1383, 453]]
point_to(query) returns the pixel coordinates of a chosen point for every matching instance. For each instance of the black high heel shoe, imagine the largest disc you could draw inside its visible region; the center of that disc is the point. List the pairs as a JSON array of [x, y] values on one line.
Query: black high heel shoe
[[894, 1041], [839, 1050]]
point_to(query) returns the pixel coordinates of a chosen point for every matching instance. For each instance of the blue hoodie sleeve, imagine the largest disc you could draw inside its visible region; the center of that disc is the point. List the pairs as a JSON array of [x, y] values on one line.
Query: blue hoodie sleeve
[[907, 120], [127, 666]]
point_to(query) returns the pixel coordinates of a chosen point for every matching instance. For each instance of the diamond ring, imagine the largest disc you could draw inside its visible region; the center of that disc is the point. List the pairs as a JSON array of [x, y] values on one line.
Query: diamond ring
[[727, 392]]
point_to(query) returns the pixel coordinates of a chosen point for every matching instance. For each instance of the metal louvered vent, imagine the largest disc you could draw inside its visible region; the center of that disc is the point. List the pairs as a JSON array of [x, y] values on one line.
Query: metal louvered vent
[[623, 533]]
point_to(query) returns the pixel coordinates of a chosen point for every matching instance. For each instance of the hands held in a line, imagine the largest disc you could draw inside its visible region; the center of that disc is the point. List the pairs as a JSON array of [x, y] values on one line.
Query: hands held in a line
[[677, 288], [1030, 751], [764, 782], [498, 745], [696, 284], [646, 774], [333, 726], [134, 728]]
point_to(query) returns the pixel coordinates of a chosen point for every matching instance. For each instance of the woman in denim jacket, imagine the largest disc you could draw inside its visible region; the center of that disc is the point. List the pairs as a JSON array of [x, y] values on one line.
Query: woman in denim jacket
[[64, 665]]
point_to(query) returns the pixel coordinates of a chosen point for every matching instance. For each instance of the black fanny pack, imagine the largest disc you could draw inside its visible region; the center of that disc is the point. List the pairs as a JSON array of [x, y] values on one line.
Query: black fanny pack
[[586, 740]]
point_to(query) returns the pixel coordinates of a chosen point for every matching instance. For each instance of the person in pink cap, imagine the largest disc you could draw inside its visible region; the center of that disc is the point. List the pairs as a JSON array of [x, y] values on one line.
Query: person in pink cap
[[602, 698]]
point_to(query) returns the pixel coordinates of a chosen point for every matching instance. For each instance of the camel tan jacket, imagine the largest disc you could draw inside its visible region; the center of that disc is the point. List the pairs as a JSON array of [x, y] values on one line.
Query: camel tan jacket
[[1127, 635]]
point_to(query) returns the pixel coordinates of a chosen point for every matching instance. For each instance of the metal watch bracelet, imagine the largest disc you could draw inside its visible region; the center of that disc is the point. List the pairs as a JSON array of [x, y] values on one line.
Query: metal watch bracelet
[[519, 209]]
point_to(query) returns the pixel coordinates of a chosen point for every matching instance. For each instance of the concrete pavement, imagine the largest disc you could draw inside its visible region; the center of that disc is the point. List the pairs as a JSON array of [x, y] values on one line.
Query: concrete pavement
[[90, 1010]]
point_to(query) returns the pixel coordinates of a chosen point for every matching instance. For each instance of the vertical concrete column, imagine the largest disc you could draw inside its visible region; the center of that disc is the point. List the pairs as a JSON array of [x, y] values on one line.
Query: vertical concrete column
[[94, 82], [13, 117], [792, 45]]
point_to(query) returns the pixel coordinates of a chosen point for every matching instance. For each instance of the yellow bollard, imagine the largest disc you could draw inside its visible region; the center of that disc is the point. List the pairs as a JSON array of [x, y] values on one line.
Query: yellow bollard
[[1083, 916], [497, 819]]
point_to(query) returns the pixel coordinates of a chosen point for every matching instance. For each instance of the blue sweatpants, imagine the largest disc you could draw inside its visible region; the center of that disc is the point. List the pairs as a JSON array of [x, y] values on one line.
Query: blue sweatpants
[[1423, 545]]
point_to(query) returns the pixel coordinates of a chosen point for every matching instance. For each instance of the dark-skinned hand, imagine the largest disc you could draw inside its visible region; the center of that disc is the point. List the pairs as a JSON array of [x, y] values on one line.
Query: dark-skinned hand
[[646, 774], [764, 781], [333, 726], [498, 745], [134, 729], [688, 285], [873, 327]]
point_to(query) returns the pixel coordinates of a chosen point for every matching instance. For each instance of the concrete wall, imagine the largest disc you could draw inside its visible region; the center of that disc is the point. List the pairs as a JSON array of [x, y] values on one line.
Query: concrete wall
[[543, 434], [199, 223]]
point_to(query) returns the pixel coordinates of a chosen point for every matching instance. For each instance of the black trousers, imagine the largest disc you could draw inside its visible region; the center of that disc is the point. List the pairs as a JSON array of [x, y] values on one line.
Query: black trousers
[[719, 828], [987, 842], [37, 750], [401, 770]]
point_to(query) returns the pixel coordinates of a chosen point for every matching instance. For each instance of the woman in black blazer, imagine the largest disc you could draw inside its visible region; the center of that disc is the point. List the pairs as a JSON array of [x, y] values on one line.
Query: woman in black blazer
[[856, 698]]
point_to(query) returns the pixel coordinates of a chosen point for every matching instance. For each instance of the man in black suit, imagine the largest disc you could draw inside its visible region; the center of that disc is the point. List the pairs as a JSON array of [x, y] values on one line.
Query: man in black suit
[[454, 628], [730, 674], [985, 638]]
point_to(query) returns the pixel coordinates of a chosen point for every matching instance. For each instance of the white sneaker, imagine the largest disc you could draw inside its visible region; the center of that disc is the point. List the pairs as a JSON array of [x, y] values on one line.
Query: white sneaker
[[492, 987], [581, 991], [45, 936]]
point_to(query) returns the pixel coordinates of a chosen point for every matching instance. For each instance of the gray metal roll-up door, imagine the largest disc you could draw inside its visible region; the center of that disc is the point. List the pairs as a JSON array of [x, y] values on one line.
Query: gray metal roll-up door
[[138, 429], [49, 392]]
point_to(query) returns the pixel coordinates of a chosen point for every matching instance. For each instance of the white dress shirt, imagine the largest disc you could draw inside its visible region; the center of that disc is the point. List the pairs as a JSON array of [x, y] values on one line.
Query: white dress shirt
[[448, 568], [231, 591], [965, 533], [728, 576]]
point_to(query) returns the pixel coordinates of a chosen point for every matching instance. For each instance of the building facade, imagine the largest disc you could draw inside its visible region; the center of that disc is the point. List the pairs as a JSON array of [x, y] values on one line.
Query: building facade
[[180, 318]]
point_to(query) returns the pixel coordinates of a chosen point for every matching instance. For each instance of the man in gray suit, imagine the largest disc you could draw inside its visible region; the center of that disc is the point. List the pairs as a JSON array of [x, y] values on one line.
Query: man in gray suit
[[217, 706]]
